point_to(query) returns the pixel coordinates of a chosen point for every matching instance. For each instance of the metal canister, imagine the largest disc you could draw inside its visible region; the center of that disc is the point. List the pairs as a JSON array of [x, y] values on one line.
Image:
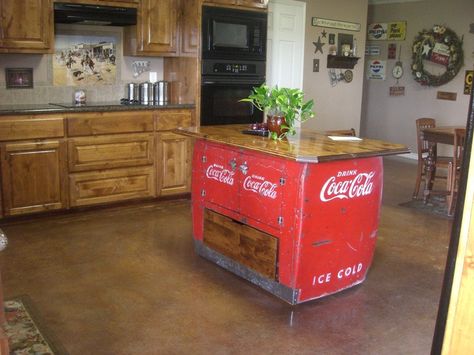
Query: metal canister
[[161, 92], [146, 93], [132, 92]]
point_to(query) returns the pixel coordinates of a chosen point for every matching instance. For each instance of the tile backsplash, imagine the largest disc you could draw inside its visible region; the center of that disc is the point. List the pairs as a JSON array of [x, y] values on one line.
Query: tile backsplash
[[44, 91]]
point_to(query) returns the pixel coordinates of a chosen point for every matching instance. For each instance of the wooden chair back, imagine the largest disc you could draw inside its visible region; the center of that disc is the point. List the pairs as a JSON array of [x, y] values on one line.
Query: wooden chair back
[[342, 132]]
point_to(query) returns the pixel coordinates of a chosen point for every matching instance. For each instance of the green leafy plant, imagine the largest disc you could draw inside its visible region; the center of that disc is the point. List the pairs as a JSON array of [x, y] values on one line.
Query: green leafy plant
[[285, 102]]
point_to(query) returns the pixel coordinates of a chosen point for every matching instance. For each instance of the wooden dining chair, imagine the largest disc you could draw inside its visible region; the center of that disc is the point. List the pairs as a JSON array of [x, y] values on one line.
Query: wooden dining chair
[[455, 168], [342, 132], [423, 151]]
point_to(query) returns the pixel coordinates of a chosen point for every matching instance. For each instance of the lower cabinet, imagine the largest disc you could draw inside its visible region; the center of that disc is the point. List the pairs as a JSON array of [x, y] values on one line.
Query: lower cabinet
[[33, 176], [99, 187], [174, 155]]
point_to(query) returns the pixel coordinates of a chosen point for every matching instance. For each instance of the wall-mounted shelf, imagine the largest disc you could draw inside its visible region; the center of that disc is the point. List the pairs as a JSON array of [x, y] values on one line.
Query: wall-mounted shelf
[[341, 62]]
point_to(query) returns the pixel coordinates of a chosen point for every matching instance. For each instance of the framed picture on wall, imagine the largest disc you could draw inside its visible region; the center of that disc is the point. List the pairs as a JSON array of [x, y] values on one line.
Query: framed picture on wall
[[19, 78]]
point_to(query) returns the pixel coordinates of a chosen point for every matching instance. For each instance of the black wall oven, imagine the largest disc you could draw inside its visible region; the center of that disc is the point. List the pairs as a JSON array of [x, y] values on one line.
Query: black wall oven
[[233, 63]]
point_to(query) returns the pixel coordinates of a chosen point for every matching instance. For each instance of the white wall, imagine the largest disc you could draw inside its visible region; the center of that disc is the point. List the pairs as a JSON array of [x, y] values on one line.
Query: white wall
[[336, 107], [393, 118]]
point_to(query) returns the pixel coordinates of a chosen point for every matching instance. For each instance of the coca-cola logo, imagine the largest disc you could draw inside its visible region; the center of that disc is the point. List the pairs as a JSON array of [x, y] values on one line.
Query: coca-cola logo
[[261, 186], [218, 173], [353, 185]]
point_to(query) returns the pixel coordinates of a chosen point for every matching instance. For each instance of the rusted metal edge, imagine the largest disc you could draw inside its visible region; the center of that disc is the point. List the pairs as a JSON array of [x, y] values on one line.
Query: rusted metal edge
[[281, 291]]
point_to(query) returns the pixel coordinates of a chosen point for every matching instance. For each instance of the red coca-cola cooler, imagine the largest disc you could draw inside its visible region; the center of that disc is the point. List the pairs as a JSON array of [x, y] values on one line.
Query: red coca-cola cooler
[[298, 229]]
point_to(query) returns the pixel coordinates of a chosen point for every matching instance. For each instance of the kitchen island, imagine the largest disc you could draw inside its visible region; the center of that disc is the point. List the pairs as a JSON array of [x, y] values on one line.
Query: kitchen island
[[298, 218]]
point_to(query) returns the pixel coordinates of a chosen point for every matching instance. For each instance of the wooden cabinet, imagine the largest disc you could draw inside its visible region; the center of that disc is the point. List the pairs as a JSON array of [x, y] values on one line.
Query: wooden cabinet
[[174, 152], [173, 163], [167, 28], [189, 27], [51, 162], [26, 26], [33, 176], [156, 32]]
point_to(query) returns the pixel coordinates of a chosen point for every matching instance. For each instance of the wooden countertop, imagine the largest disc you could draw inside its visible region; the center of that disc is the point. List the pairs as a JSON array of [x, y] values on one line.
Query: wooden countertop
[[306, 146]]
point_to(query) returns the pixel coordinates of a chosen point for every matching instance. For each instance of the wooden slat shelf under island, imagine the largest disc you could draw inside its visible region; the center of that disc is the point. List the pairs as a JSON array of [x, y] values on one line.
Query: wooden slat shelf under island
[[297, 217]]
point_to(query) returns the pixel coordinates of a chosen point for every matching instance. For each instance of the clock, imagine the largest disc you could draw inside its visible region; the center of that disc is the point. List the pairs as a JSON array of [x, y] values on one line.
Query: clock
[[397, 70]]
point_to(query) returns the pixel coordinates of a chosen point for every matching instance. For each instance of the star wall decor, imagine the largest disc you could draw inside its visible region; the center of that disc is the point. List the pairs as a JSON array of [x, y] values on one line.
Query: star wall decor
[[426, 50], [319, 45], [324, 33]]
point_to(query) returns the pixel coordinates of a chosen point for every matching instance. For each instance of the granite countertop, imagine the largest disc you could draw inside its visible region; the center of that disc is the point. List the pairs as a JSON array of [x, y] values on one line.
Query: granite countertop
[[90, 107], [306, 146]]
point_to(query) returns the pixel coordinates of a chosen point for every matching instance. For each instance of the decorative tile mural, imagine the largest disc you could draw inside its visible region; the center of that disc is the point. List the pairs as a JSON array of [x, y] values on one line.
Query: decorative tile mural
[[81, 60]]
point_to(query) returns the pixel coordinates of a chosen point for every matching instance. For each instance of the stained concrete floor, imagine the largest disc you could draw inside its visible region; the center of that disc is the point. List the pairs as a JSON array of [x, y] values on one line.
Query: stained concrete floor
[[127, 281]]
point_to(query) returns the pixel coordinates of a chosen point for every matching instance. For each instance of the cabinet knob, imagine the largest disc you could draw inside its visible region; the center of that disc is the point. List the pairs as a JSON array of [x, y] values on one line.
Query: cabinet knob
[[233, 164]]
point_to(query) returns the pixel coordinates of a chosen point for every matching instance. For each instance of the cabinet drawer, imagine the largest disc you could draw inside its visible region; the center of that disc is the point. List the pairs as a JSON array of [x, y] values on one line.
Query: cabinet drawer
[[86, 124], [244, 244], [171, 119], [111, 186], [30, 127], [105, 152]]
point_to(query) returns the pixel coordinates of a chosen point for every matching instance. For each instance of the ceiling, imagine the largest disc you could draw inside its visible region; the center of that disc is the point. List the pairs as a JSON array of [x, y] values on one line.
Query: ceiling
[[376, 2]]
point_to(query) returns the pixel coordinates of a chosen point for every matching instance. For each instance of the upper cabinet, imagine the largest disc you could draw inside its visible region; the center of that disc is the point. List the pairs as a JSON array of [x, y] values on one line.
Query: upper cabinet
[[189, 16], [258, 4], [156, 29], [26, 26], [167, 28]]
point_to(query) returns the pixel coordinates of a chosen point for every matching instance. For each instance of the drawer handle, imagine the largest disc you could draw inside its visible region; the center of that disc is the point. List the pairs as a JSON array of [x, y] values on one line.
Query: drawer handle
[[244, 168]]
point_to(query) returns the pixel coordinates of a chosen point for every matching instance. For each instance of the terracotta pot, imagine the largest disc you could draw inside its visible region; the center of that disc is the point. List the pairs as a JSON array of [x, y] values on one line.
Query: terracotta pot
[[274, 124]]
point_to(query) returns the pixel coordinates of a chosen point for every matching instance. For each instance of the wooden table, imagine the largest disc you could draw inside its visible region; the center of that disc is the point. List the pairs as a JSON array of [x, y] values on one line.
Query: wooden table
[[443, 135]]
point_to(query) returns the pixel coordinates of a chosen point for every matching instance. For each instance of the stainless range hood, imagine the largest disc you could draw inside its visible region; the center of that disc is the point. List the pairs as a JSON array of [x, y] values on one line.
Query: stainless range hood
[[94, 15]]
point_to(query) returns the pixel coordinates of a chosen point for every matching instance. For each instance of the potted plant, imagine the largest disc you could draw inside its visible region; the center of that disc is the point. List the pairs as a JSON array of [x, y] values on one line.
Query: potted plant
[[283, 107]]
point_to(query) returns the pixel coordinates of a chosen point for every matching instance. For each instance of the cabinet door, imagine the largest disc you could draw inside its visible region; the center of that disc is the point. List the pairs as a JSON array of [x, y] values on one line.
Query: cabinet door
[[26, 26], [33, 176], [157, 27], [189, 27], [262, 182], [259, 4], [219, 171], [173, 163]]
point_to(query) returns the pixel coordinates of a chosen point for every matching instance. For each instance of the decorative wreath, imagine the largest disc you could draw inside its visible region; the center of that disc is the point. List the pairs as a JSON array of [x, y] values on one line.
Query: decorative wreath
[[439, 45]]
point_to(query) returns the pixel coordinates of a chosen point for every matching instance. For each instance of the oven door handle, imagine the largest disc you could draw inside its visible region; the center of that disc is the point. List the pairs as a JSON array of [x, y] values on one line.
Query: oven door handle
[[233, 82]]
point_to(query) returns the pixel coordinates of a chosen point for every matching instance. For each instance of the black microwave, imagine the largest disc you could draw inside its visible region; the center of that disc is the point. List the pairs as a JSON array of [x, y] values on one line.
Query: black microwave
[[233, 34]]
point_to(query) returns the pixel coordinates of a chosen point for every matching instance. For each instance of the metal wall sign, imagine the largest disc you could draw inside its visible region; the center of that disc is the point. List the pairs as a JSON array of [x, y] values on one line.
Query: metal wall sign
[[341, 25], [392, 31], [376, 69]]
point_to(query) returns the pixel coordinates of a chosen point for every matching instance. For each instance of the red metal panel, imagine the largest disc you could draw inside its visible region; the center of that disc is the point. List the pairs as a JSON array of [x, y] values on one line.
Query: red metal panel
[[220, 180], [262, 188], [340, 221]]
